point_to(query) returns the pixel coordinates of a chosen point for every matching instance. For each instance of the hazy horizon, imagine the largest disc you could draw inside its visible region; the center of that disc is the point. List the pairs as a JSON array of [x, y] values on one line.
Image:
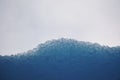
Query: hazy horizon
[[26, 23]]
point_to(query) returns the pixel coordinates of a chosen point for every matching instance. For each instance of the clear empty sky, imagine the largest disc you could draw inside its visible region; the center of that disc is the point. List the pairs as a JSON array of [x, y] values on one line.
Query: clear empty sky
[[26, 23]]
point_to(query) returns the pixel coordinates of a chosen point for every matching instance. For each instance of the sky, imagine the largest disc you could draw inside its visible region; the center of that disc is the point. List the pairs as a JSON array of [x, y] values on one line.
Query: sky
[[26, 23]]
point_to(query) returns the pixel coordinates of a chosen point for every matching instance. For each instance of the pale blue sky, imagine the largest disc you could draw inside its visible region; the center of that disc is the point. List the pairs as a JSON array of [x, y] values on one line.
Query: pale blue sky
[[26, 23]]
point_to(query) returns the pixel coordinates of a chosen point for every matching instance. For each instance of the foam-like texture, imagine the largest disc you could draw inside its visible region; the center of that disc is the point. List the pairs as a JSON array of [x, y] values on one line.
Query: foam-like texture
[[63, 59]]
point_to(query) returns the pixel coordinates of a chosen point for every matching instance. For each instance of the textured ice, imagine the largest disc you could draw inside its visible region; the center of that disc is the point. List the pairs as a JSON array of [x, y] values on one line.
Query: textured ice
[[63, 59]]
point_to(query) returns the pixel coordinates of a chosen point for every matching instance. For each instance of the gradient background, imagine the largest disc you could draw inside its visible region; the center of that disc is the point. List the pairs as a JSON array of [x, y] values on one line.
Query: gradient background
[[26, 23]]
